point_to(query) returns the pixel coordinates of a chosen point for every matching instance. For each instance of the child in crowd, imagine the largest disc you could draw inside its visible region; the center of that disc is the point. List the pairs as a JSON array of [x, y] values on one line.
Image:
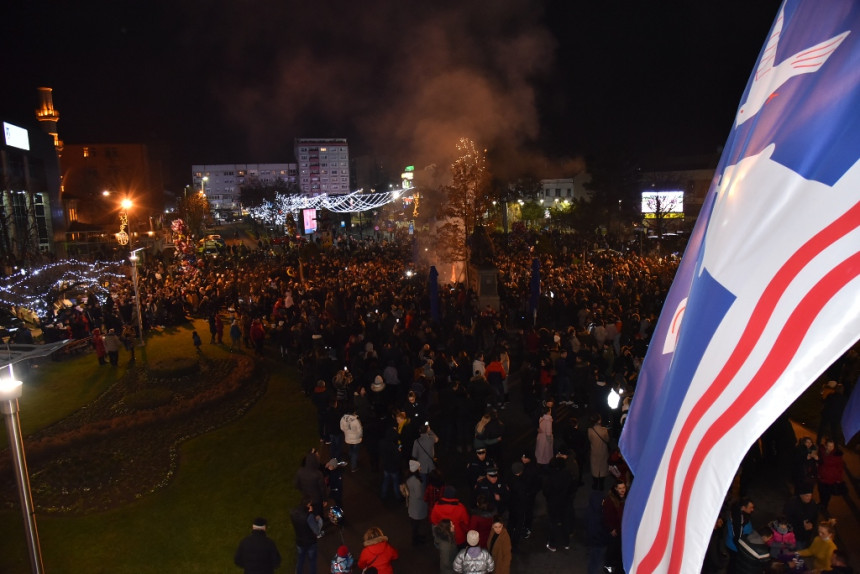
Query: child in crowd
[[781, 540], [342, 561], [195, 338]]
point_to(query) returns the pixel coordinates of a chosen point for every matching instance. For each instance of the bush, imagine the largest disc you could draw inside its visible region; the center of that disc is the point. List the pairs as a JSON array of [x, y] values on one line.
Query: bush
[[148, 399]]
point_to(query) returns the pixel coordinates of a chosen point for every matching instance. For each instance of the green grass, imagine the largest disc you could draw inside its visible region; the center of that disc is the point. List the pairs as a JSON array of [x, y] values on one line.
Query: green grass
[[224, 479]]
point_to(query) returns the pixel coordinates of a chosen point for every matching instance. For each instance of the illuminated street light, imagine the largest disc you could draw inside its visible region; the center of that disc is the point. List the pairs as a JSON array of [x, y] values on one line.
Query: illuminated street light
[[134, 278], [10, 392]]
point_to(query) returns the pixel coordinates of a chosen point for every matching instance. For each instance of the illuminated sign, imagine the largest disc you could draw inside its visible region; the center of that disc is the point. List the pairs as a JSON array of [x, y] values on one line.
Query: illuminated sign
[[407, 177], [309, 216], [668, 204], [16, 137]]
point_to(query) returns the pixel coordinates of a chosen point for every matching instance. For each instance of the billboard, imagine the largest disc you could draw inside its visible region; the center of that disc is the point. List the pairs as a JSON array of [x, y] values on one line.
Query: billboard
[[668, 204], [309, 217], [16, 137]]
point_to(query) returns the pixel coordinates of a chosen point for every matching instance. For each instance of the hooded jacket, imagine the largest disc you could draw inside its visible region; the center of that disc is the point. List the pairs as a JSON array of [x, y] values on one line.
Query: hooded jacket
[[352, 429], [452, 509], [310, 480], [378, 553]]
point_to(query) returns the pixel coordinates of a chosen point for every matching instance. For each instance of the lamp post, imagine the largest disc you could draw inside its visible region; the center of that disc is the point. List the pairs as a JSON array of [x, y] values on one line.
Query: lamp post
[[134, 258], [10, 391]]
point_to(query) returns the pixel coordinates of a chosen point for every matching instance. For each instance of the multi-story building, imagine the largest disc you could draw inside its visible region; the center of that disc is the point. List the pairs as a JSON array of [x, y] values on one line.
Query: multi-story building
[[323, 165], [565, 189], [222, 183], [30, 207]]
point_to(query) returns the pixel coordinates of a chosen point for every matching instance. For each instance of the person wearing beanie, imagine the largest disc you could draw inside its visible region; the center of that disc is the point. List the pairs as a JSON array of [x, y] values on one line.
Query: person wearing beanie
[[473, 559], [450, 507], [416, 506], [802, 513], [257, 553], [343, 561]]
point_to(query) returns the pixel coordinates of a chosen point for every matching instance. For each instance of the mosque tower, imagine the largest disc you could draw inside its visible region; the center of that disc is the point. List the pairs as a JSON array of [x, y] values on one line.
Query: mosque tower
[[48, 117]]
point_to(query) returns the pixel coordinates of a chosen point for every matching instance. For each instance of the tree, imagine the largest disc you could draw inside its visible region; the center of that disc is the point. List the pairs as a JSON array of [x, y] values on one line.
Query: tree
[[660, 207], [193, 209], [255, 193], [615, 185], [532, 213], [468, 198]]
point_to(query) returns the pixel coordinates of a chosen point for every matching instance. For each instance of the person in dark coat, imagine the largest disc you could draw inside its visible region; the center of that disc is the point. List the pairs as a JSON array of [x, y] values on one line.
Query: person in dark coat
[[308, 528], [311, 482], [257, 553], [613, 511], [596, 536], [802, 513], [558, 490]]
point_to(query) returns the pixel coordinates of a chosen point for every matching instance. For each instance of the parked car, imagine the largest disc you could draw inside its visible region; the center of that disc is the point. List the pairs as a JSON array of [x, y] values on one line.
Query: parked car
[[215, 239]]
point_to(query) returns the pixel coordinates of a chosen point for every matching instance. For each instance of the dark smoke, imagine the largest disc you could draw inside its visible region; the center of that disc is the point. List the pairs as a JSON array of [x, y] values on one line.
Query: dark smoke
[[399, 79]]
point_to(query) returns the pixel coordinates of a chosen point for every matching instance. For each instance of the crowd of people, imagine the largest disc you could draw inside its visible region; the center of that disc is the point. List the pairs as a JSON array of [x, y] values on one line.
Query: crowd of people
[[405, 388]]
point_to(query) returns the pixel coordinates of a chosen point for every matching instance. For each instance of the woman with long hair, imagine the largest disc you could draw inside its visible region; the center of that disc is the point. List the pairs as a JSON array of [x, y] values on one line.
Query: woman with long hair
[[443, 538], [821, 550], [499, 546], [543, 445]]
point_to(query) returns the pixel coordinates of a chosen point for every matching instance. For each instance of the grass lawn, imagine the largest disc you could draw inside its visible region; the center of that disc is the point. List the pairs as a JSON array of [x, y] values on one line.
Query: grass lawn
[[225, 478]]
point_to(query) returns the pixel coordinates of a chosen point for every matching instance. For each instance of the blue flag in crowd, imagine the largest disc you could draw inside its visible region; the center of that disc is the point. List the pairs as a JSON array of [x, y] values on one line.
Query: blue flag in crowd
[[767, 295]]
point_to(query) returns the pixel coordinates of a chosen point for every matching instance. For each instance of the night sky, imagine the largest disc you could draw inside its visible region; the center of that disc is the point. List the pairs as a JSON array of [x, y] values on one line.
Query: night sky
[[237, 81]]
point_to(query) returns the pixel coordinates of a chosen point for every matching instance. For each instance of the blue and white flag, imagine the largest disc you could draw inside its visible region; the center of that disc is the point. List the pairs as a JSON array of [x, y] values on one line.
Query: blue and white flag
[[768, 293]]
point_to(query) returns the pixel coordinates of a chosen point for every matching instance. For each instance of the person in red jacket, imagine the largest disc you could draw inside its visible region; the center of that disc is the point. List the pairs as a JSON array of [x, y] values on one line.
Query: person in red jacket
[[831, 479], [377, 552], [450, 507]]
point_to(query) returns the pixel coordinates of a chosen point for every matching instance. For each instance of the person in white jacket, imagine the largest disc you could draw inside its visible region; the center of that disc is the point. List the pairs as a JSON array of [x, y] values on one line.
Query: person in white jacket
[[353, 432]]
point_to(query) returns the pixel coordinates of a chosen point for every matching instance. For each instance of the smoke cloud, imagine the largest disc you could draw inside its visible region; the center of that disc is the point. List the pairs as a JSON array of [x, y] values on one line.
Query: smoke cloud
[[403, 80]]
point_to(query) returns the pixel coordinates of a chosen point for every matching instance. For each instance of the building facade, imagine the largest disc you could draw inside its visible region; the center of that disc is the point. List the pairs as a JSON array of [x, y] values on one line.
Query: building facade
[[30, 207], [323, 165], [222, 183], [565, 188]]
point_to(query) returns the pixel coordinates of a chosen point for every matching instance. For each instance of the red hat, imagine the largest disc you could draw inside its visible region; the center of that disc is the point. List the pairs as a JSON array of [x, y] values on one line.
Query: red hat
[[343, 551]]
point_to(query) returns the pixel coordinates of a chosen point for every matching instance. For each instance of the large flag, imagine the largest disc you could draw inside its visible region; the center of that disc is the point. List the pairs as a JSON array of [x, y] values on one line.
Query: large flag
[[767, 295]]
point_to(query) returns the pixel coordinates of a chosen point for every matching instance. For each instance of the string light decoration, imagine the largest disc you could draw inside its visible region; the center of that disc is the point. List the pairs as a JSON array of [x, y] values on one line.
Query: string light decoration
[[354, 202], [36, 289], [184, 243]]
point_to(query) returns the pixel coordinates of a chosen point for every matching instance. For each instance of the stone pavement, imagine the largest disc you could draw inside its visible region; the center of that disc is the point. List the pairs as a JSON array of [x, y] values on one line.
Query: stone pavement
[[363, 508]]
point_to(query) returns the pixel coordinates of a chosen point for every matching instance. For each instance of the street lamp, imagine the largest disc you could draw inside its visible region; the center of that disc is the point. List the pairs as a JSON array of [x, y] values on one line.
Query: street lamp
[[134, 258], [10, 392], [203, 184]]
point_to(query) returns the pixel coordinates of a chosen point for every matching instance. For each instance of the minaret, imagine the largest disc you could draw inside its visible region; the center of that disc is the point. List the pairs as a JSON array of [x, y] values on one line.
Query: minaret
[[48, 117]]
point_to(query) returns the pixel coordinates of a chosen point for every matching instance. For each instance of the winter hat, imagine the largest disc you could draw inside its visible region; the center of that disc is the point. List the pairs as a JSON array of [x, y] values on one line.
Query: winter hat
[[449, 492], [259, 524], [343, 551], [473, 538], [378, 384], [804, 488], [414, 466]]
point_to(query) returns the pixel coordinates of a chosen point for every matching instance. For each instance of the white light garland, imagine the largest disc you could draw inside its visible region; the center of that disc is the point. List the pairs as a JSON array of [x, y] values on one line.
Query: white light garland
[[350, 203], [31, 288]]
